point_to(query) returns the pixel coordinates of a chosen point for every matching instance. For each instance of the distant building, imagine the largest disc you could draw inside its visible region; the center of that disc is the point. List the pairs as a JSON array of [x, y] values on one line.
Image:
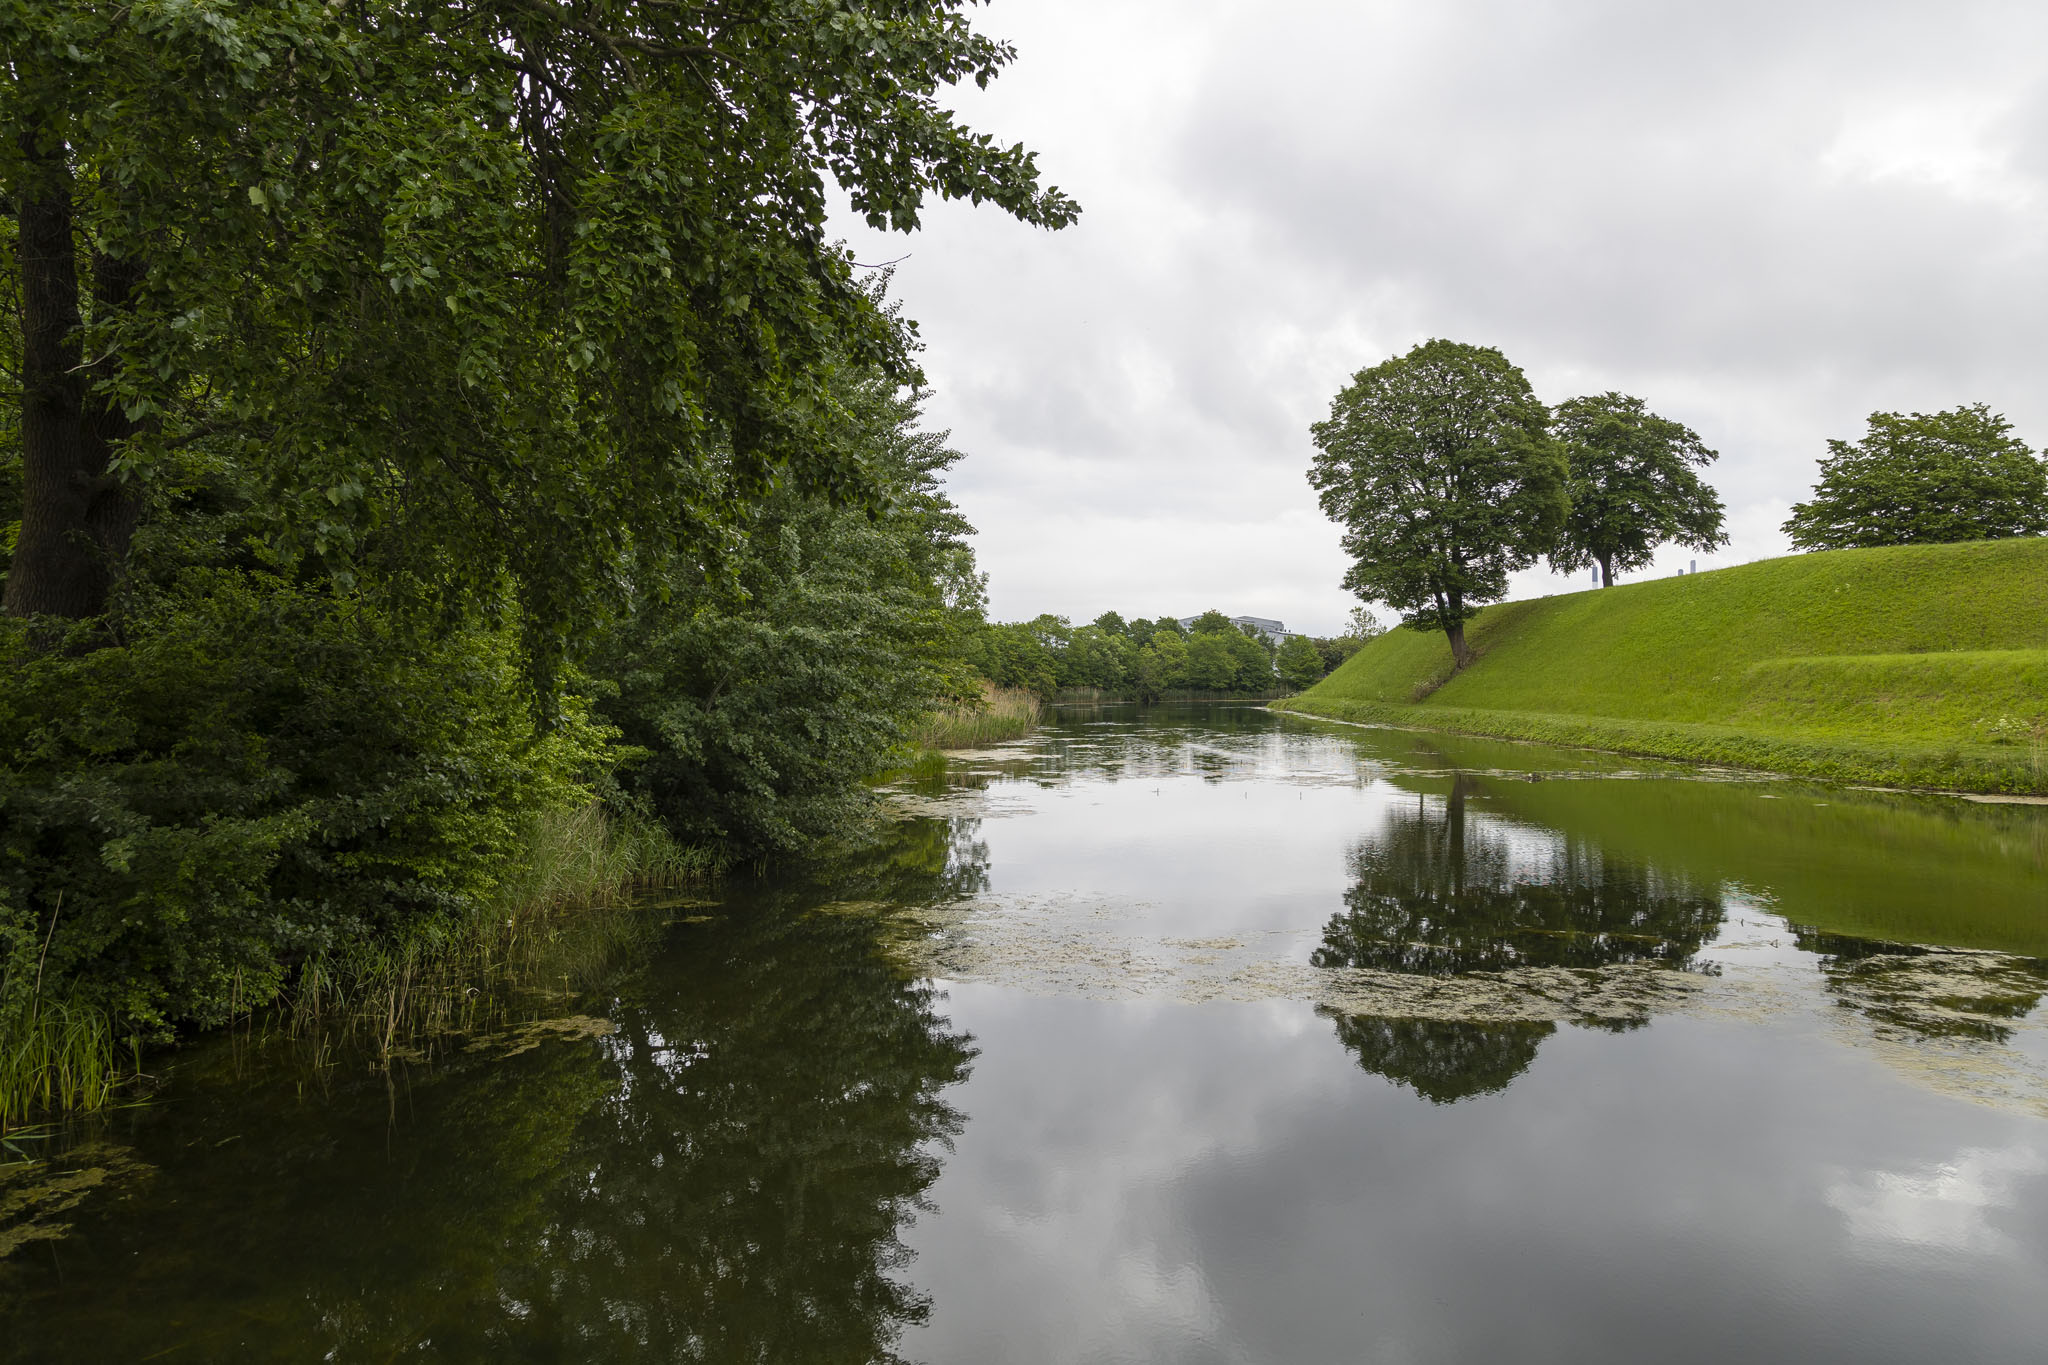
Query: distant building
[[1276, 632]]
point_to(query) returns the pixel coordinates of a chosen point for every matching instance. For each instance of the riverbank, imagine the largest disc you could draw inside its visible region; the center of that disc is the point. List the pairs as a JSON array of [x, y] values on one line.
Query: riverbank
[[560, 912], [1915, 666]]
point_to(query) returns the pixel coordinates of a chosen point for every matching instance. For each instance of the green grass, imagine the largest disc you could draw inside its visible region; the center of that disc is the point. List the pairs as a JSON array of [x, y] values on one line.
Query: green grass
[[55, 1056], [1923, 665]]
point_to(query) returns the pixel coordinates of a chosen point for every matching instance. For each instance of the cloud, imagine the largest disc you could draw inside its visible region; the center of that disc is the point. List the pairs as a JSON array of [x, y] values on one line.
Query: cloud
[[1768, 220]]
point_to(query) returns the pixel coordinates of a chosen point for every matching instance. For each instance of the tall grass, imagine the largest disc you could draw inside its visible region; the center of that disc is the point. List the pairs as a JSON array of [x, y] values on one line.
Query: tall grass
[[55, 1056], [562, 914], [559, 919], [1001, 713]]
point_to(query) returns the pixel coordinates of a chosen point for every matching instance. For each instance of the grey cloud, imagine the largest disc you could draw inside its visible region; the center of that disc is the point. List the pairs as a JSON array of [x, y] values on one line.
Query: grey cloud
[[1766, 219]]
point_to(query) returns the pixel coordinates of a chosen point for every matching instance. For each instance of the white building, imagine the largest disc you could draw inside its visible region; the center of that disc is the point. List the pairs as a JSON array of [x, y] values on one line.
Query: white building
[[1276, 632]]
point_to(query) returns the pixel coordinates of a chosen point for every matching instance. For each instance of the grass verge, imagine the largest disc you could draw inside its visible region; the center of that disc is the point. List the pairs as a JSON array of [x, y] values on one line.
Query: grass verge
[[2016, 771], [1912, 665]]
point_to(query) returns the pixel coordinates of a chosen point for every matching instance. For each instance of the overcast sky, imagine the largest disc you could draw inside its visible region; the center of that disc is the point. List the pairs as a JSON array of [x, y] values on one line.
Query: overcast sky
[[1765, 219]]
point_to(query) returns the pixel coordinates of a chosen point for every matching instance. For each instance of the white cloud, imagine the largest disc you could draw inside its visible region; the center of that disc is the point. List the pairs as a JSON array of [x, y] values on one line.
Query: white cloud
[[1768, 220]]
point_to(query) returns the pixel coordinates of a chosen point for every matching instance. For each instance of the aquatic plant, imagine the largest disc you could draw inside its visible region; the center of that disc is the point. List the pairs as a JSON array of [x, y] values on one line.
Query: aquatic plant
[[1001, 713]]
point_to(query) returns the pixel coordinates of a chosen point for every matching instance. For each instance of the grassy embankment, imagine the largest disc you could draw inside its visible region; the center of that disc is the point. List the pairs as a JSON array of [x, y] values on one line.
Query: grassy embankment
[[1922, 665], [561, 910]]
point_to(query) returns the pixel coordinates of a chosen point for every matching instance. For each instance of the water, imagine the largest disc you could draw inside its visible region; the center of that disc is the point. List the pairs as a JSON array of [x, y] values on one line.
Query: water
[[1197, 1034]]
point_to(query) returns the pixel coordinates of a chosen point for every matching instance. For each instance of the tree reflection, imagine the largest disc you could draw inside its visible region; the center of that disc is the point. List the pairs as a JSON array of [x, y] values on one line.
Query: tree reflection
[[1440, 894], [1441, 1060], [726, 1176], [1941, 993], [740, 1196]]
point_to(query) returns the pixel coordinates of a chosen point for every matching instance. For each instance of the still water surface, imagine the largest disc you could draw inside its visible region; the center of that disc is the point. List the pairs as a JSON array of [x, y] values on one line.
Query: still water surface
[[1191, 1034]]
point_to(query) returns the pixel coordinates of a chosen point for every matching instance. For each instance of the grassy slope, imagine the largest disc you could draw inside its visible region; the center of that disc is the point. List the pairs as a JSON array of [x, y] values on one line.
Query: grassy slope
[[1892, 665]]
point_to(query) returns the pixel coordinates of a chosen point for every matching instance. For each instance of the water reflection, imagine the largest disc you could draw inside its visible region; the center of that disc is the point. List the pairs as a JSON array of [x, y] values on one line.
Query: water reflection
[[1439, 891], [1442, 1060], [725, 1176], [1929, 992], [773, 1125], [755, 1160]]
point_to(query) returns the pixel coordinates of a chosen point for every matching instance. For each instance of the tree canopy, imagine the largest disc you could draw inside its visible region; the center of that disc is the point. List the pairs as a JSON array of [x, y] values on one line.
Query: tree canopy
[[1633, 486], [490, 296], [1925, 478], [415, 399], [1440, 468]]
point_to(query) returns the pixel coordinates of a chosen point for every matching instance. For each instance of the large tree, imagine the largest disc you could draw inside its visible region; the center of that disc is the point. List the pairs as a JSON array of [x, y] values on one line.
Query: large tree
[[1440, 467], [1634, 486], [1927, 478], [496, 299]]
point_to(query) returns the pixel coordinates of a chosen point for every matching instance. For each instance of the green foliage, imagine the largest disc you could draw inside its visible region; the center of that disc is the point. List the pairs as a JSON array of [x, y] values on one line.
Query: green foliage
[[1226, 659], [1016, 656], [1300, 663], [1910, 664], [1000, 714], [1439, 466], [1162, 665], [759, 700], [1925, 479], [261, 771], [492, 295], [1633, 486], [1146, 660], [469, 365]]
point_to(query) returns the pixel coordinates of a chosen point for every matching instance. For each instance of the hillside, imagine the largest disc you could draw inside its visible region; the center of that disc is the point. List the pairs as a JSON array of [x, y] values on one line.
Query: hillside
[[1924, 665]]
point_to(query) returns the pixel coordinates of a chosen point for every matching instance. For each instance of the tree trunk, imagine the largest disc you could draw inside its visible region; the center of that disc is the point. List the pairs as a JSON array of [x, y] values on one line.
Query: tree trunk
[[76, 517], [1606, 571], [1454, 823], [1456, 634]]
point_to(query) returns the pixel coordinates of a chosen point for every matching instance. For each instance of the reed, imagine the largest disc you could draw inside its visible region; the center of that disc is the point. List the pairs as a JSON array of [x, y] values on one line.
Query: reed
[[55, 1055], [562, 915], [559, 919], [1001, 713]]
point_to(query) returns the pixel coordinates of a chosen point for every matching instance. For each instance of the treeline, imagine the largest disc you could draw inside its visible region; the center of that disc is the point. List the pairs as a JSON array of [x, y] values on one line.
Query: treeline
[[1144, 660], [427, 422]]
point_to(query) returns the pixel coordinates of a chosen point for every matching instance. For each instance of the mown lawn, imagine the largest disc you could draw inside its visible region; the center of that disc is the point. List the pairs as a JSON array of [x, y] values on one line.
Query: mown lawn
[[1925, 664]]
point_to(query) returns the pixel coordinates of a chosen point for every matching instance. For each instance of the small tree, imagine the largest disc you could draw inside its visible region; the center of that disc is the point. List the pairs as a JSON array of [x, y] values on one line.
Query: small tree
[[1162, 665], [1633, 486], [1362, 625], [1301, 663], [1440, 467], [1925, 479]]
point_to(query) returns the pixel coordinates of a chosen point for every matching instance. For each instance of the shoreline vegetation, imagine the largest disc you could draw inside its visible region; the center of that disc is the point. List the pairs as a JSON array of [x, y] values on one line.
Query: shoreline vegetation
[[1920, 666], [565, 912], [1001, 713]]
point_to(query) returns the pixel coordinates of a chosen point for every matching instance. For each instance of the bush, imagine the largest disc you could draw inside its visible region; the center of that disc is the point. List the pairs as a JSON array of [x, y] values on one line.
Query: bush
[[251, 774]]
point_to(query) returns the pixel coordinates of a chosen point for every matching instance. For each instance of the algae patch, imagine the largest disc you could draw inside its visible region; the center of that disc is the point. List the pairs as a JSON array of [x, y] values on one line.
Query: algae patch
[[35, 1196], [526, 1037], [1075, 946]]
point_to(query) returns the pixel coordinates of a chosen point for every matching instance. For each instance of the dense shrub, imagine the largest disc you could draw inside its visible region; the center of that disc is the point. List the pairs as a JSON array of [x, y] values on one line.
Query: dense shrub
[[252, 772], [759, 697]]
